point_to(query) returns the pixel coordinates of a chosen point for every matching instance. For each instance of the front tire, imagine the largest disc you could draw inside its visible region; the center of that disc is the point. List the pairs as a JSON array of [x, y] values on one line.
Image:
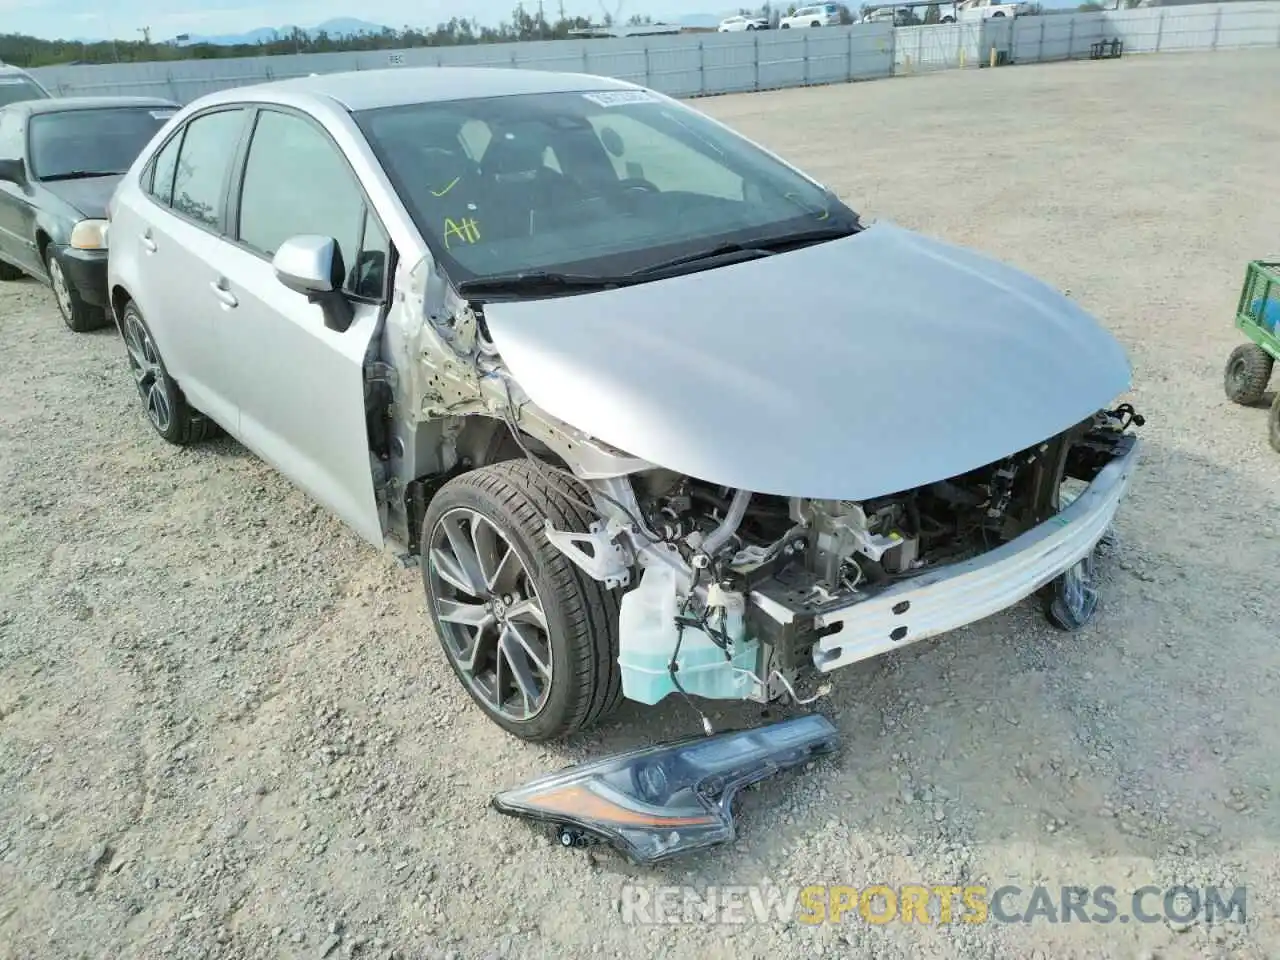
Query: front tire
[[79, 316], [532, 638], [1248, 370], [165, 406]]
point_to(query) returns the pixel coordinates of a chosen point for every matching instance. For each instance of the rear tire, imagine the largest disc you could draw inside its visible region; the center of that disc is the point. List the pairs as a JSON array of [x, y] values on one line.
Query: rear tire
[[1248, 370], [575, 629], [163, 402], [8, 272]]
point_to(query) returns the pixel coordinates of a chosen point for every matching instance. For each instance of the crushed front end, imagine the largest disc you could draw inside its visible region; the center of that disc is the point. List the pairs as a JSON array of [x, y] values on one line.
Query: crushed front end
[[740, 593]]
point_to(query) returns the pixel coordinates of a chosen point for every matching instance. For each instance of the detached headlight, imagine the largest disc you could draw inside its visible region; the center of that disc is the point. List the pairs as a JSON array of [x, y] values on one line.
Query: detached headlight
[[661, 801], [89, 235]]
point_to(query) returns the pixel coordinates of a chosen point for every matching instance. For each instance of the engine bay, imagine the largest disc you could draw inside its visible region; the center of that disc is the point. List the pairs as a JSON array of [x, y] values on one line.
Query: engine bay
[[733, 583]]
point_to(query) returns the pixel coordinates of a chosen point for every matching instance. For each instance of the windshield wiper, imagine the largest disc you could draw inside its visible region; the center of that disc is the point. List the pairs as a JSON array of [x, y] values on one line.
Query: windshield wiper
[[80, 175], [534, 281], [749, 249]]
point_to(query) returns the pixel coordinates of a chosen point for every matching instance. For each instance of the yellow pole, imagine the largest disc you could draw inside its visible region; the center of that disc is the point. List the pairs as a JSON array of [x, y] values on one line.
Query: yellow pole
[[993, 55], [962, 58]]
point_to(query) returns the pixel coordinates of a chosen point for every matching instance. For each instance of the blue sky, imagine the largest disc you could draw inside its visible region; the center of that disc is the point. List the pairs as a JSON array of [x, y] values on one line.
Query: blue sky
[[123, 18]]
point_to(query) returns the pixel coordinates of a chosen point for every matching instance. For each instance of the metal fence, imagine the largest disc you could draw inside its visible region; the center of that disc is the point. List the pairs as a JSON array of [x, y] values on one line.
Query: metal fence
[[701, 64]]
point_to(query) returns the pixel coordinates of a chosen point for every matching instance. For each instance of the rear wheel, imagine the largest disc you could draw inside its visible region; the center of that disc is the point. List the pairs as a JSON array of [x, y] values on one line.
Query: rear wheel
[[1248, 370], [532, 637], [162, 399], [8, 272]]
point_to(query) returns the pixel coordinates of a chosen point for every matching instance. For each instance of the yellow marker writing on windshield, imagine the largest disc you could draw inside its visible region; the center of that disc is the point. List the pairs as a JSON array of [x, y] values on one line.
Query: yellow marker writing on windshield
[[465, 230], [453, 183]]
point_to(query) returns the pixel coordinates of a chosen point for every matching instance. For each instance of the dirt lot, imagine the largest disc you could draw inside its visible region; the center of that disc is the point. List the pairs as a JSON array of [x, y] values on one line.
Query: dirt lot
[[225, 729]]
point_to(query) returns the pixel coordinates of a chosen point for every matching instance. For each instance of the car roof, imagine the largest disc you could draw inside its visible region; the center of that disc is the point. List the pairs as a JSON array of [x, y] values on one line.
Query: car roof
[[400, 86]]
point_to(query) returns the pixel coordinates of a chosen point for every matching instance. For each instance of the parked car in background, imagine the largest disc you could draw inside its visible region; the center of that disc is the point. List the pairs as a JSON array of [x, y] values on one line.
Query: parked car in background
[[820, 15], [899, 17], [982, 10], [740, 22], [17, 85], [537, 331], [60, 161]]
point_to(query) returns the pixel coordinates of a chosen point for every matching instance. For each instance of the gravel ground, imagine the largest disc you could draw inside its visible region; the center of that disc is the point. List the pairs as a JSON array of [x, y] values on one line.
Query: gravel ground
[[227, 731]]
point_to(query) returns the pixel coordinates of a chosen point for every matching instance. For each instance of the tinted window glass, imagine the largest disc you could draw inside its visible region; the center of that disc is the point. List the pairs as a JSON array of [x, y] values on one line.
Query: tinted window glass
[[297, 182], [78, 143], [163, 169], [368, 277], [10, 136], [199, 183], [15, 88], [600, 183]]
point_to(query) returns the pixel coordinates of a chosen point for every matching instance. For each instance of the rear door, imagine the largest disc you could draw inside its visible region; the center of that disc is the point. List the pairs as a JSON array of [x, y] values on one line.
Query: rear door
[[175, 232], [300, 386]]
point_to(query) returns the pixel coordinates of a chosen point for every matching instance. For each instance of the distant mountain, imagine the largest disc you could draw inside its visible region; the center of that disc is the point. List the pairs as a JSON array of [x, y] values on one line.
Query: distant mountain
[[338, 27]]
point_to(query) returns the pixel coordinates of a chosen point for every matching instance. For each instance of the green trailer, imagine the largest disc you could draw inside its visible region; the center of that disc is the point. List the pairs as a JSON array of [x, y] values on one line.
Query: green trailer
[[1258, 318]]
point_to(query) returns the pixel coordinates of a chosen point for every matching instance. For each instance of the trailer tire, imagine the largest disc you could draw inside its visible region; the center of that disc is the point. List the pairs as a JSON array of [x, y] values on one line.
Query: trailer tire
[[1248, 370]]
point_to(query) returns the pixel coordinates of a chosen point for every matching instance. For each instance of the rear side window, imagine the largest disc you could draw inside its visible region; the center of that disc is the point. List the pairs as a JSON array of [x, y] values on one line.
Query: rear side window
[[163, 169], [204, 161], [11, 147]]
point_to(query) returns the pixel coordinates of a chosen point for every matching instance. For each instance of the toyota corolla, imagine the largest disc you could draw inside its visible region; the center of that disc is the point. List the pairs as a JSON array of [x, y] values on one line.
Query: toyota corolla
[[655, 412]]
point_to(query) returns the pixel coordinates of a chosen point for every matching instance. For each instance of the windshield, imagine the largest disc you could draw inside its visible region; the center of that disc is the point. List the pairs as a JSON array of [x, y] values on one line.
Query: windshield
[[15, 88], [593, 184], [91, 142]]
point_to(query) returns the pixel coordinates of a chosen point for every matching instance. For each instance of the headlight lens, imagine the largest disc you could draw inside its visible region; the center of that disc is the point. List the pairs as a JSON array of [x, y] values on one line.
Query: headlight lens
[[89, 235], [658, 802]]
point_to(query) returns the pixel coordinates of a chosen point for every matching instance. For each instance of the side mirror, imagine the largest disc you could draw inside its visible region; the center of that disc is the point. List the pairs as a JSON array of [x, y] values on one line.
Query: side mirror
[[312, 266], [13, 171]]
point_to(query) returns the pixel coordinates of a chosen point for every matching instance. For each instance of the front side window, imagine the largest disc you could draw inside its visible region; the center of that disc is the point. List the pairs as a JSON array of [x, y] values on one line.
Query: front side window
[[589, 183], [73, 144], [204, 162], [296, 181], [14, 88]]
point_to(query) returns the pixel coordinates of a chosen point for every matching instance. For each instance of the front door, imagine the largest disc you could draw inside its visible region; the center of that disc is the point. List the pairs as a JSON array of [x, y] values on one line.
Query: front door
[[17, 238], [299, 385]]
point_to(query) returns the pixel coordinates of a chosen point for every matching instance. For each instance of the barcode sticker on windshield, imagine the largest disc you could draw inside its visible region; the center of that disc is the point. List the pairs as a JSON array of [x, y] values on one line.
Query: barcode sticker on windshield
[[617, 98]]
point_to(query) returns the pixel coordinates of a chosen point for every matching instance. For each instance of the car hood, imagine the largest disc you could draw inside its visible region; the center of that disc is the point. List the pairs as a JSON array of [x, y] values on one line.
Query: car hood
[[846, 370], [89, 196]]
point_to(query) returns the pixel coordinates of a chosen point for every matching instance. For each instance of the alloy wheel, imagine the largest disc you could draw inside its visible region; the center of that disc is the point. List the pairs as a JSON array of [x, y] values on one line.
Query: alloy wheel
[[491, 620], [61, 292], [148, 372]]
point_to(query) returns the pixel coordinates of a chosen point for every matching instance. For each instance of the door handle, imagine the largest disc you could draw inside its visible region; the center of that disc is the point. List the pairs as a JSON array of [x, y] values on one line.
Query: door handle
[[148, 244], [222, 293]]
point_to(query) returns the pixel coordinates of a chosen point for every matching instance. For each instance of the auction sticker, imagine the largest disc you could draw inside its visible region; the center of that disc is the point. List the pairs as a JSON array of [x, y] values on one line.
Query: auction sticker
[[618, 98]]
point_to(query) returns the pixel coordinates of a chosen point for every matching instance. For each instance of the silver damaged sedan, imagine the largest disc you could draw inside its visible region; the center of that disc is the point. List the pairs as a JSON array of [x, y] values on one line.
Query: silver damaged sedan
[[656, 413]]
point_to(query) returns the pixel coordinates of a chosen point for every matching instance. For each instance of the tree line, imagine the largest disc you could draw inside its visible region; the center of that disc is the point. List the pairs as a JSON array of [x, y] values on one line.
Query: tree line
[[524, 24]]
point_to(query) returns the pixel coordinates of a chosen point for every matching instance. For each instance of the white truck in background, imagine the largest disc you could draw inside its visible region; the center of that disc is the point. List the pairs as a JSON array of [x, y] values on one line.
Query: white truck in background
[[968, 10]]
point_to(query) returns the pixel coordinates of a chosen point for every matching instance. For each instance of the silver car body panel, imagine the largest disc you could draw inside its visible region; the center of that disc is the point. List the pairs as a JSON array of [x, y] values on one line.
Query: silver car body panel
[[845, 370]]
